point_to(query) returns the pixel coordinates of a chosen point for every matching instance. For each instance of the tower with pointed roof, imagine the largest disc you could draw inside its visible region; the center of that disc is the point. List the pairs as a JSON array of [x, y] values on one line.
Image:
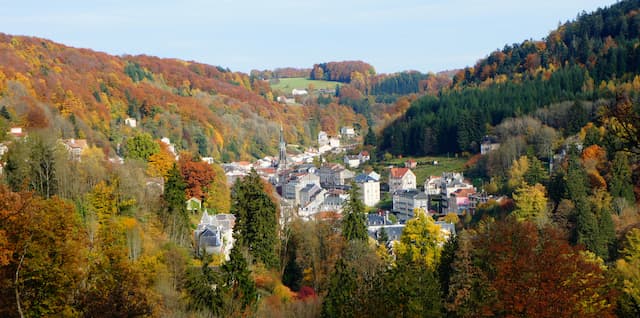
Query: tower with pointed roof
[[282, 158]]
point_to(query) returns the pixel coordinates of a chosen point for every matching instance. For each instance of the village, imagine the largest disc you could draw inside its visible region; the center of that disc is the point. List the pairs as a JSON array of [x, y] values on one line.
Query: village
[[314, 192], [311, 192]]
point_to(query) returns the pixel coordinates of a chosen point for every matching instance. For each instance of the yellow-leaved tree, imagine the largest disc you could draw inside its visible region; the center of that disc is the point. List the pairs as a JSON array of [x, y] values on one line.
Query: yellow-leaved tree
[[421, 240], [517, 172], [219, 195], [161, 162], [531, 203]]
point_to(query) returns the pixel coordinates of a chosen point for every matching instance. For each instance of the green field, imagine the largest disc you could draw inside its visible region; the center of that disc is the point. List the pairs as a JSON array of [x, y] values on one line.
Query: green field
[[426, 168], [287, 84]]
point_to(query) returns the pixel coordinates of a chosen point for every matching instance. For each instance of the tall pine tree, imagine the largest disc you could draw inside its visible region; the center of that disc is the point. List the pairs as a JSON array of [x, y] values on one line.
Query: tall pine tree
[[175, 218], [620, 184], [339, 301], [353, 217], [256, 219]]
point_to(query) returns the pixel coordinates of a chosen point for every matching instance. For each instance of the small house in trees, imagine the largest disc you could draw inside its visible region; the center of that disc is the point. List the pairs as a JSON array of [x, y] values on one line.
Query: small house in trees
[[194, 205], [348, 132], [411, 164], [75, 147], [131, 122], [334, 142], [3, 149], [214, 234], [17, 132], [488, 144], [401, 179], [299, 92], [323, 138], [364, 156]]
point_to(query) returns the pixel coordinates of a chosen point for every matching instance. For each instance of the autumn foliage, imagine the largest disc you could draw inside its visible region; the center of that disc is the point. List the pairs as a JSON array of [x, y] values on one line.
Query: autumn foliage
[[534, 272], [228, 115]]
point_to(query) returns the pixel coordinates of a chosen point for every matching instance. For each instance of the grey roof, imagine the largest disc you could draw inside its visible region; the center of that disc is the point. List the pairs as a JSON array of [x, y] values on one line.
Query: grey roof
[[311, 188], [209, 237], [377, 219], [412, 193], [393, 231], [362, 178]]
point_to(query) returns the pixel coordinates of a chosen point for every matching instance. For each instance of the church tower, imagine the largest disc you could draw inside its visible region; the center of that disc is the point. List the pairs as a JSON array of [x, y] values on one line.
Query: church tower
[[282, 159]]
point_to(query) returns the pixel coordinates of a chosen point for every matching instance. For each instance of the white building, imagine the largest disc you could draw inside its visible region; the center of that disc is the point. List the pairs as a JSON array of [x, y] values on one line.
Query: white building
[[352, 161], [369, 189], [401, 179], [170, 146], [299, 92], [334, 142], [323, 138], [131, 122], [347, 132]]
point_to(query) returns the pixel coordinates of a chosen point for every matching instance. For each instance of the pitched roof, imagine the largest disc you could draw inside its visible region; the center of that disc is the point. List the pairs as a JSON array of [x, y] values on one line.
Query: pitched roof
[[362, 178], [398, 172], [76, 143], [464, 192]]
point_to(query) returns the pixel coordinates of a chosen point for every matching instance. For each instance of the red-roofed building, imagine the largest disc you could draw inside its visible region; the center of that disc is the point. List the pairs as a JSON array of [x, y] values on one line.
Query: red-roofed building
[[364, 156], [460, 200], [401, 179]]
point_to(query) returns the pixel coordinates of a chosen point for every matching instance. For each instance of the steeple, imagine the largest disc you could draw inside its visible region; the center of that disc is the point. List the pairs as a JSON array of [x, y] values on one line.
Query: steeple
[[282, 157]]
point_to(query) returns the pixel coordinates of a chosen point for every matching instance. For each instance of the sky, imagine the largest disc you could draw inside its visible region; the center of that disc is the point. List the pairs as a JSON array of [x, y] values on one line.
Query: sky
[[391, 35]]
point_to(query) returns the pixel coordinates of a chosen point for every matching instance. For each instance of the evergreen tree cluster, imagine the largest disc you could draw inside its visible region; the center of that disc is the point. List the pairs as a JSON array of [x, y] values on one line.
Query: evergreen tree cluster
[[456, 120]]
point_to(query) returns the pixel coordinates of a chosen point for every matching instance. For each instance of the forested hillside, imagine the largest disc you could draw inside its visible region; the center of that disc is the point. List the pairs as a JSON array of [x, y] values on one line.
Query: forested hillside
[[206, 109], [550, 227], [593, 58]]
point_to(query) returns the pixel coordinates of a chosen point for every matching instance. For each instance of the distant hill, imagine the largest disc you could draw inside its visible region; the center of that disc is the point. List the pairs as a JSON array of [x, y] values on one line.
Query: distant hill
[[206, 109], [592, 58]]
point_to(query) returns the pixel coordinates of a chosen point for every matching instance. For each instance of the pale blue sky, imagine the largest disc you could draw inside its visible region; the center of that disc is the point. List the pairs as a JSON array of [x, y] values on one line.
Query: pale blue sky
[[392, 35]]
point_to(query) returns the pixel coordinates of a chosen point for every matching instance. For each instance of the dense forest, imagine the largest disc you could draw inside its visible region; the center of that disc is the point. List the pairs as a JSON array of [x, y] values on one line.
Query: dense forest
[[90, 236]]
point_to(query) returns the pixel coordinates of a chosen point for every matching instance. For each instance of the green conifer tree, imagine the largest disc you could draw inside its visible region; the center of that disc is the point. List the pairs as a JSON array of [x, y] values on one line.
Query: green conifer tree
[[620, 183], [339, 301], [256, 219], [353, 217], [175, 217], [237, 278]]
